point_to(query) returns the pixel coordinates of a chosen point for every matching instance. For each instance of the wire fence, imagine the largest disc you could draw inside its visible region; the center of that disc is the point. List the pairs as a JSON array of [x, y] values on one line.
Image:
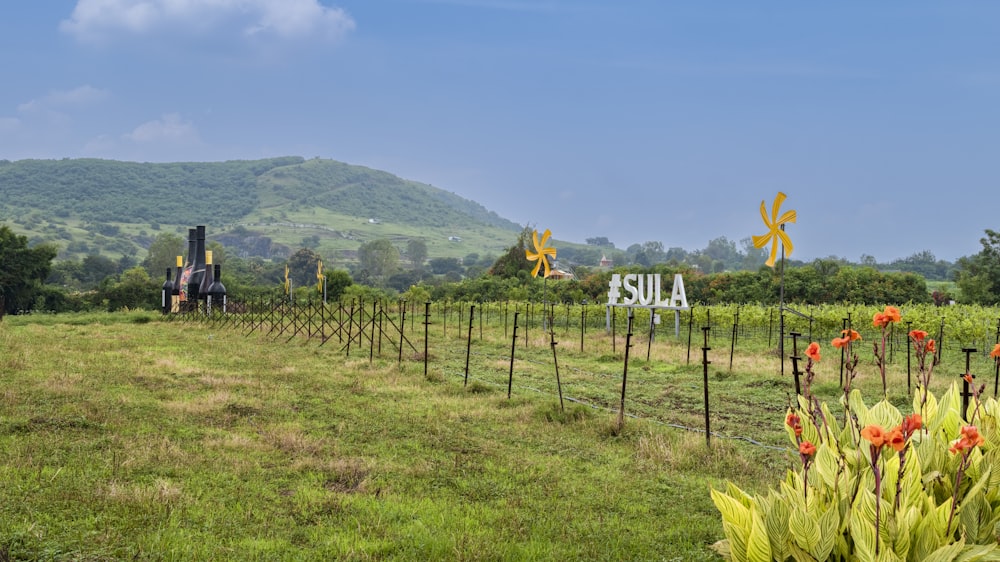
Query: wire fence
[[470, 340]]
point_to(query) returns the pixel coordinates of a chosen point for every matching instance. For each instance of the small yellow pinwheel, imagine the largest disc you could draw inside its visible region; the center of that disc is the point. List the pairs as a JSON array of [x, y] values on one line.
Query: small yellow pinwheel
[[775, 232], [540, 252], [319, 276], [288, 281]]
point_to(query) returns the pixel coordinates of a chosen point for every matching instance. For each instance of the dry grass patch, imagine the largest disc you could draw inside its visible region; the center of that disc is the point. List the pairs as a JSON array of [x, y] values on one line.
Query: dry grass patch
[[293, 441]]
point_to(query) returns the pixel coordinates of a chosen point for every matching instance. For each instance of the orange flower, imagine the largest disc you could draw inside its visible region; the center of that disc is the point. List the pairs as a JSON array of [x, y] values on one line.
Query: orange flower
[[918, 335], [930, 346], [875, 434], [896, 439], [911, 424], [970, 438], [996, 351], [793, 421], [880, 320], [848, 336], [807, 449], [893, 314], [812, 351], [968, 378], [971, 434]]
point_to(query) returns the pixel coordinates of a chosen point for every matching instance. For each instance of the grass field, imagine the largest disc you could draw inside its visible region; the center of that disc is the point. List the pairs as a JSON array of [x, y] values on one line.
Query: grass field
[[125, 437]]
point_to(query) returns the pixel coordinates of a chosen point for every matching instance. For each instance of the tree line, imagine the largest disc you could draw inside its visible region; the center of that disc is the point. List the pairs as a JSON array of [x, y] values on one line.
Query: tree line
[[30, 280]]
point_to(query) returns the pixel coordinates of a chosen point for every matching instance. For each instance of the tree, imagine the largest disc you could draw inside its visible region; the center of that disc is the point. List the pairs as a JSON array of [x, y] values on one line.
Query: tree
[[96, 268], [379, 258], [416, 252], [135, 290], [599, 241], [978, 276], [302, 267], [163, 253], [22, 270], [337, 281], [514, 259]]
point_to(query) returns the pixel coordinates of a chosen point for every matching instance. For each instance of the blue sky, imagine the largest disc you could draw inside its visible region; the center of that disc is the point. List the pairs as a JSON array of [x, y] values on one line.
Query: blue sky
[[636, 120]]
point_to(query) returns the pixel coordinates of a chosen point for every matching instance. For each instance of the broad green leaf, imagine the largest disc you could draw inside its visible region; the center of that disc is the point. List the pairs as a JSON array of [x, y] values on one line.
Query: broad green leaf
[[758, 545], [736, 523], [883, 414], [946, 553], [826, 464], [804, 529], [863, 525], [974, 517], [975, 553], [829, 530], [776, 517]]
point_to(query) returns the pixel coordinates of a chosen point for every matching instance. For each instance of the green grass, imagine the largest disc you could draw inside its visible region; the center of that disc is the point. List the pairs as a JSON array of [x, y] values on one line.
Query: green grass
[[183, 441], [129, 436]]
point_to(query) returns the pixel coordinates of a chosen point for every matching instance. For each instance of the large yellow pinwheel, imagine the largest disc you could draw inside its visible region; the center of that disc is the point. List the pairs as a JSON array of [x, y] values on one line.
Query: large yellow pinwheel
[[540, 252], [775, 232]]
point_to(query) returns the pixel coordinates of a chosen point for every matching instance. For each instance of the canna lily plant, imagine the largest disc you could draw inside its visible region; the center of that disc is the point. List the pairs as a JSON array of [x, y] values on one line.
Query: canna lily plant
[[875, 484]]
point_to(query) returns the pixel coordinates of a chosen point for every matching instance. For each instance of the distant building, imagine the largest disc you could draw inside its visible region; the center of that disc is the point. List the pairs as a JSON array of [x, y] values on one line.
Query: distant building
[[605, 262], [454, 239], [560, 274]]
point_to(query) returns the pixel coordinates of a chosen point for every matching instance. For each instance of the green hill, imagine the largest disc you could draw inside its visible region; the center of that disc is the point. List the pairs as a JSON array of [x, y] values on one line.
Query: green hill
[[108, 207]]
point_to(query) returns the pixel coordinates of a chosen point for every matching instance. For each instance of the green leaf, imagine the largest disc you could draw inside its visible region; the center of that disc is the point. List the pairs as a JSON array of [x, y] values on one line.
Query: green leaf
[[883, 414], [863, 525], [776, 519], [974, 553], [946, 553], [826, 464], [805, 530], [736, 523], [829, 530], [758, 545]]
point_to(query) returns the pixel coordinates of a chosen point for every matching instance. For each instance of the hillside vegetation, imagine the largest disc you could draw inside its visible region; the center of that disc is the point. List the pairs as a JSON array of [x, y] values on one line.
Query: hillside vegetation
[[108, 207]]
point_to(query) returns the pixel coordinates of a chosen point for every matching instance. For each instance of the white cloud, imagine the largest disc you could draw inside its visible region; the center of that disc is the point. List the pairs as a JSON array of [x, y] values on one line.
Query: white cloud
[[169, 128], [106, 20], [82, 95]]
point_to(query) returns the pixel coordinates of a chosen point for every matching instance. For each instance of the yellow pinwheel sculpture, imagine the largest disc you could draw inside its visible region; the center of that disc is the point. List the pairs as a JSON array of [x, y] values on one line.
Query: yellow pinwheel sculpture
[[540, 253], [775, 233], [319, 276], [288, 281]]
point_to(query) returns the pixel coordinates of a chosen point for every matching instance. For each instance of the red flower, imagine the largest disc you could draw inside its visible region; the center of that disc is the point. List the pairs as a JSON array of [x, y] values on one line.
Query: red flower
[[893, 314], [793, 421], [896, 439], [917, 335], [848, 336], [930, 346], [996, 351], [968, 378], [812, 351], [875, 434], [911, 424], [880, 320], [807, 449], [970, 438]]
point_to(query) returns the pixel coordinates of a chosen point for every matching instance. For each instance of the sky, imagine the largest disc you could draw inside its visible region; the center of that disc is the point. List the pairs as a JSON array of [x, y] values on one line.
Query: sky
[[635, 120]]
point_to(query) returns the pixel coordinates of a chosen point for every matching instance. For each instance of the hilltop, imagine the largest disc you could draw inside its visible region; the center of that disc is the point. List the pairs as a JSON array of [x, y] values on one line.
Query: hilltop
[[114, 208]]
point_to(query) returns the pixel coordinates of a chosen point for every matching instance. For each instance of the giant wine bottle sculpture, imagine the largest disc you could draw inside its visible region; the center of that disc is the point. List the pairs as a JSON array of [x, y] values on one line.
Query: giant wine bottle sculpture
[[175, 292], [206, 280], [185, 279], [198, 270], [217, 291], [166, 300]]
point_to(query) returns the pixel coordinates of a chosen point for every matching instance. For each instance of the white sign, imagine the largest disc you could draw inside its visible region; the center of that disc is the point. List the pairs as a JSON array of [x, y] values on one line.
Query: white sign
[[643, 290]]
